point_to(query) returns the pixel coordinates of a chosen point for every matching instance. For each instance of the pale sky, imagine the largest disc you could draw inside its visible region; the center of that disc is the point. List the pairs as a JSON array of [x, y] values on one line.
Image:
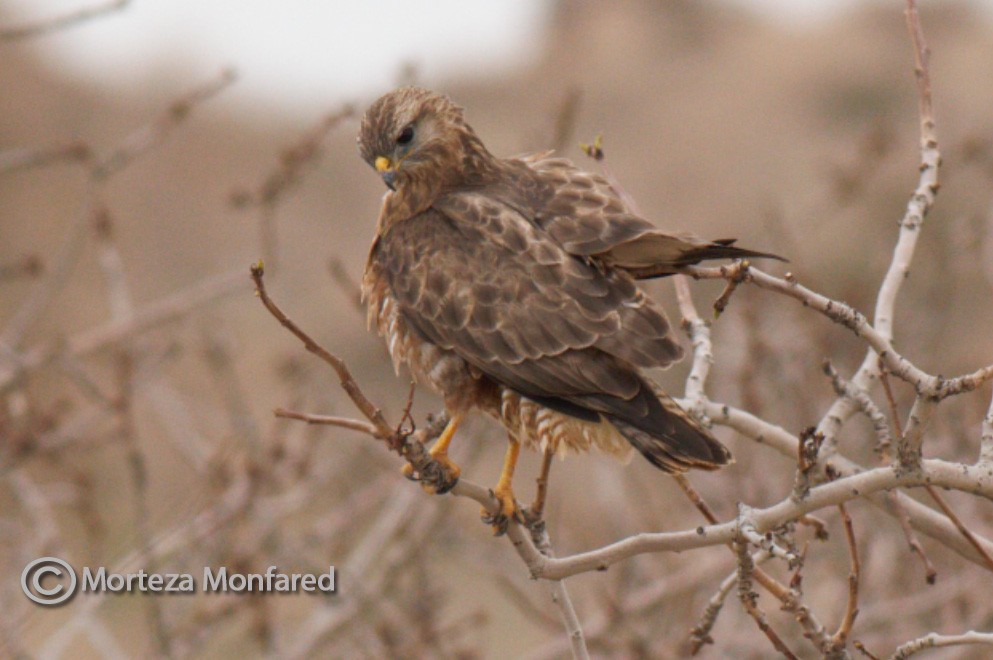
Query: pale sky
[[304, 52]]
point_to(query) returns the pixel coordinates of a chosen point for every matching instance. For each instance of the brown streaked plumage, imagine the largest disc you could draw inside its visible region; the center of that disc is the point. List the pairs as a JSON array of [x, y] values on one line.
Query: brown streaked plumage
[[506, 285]]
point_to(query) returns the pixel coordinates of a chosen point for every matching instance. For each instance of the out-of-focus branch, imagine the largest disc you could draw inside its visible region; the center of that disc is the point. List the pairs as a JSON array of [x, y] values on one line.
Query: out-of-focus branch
[[100, 169], [29, 266], [153, 134], [13, 160], [700, 633], [146, 318], [293, 161], [63, 22]]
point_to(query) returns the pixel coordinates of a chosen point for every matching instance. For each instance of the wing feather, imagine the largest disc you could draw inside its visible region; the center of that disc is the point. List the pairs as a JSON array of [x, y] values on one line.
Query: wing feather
[[473, 276], [587, 217]]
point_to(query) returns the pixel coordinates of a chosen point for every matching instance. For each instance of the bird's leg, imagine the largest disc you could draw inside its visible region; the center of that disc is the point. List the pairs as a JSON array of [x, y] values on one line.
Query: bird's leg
[[533, 514], [504, 493], [441, 475]]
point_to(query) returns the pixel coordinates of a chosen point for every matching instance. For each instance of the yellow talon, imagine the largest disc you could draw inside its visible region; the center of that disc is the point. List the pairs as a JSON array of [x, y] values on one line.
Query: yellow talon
[[442, 474]]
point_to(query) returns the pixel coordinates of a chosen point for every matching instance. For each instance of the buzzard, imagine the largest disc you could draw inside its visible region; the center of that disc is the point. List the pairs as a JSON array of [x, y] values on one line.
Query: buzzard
[[509, 286]]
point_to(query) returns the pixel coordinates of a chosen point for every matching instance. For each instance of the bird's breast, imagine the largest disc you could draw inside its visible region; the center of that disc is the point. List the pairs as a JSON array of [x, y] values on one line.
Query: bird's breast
[[438, 368]]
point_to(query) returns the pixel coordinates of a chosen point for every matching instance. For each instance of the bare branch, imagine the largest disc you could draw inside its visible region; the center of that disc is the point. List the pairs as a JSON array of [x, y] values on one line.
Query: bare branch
[[903, 517], [749, 599], [940, 473], [349, 287], [700, 633], [884, 438], [969, 536], [986, 439], [365, 406], [699, 334], [934, 640], [932, 387], [920, 517], [571, 620], [330, 420]]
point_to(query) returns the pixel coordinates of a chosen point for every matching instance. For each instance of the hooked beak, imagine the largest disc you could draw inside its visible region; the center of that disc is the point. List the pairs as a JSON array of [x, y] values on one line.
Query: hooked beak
[[387, 171]]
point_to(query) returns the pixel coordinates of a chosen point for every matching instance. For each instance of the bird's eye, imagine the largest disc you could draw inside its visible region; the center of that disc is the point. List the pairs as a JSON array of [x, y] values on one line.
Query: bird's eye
[[406, 135]]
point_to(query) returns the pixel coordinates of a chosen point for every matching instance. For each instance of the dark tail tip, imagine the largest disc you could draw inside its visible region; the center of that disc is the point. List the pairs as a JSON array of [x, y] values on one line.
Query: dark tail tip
[[724, 249], [671, 440]]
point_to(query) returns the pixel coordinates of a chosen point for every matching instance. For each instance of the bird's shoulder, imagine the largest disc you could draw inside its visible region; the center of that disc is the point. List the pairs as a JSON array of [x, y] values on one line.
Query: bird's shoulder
[[580, 210]]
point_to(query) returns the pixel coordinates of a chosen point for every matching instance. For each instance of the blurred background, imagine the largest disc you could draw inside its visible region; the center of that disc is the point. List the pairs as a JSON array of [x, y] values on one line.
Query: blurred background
[[138, 181]]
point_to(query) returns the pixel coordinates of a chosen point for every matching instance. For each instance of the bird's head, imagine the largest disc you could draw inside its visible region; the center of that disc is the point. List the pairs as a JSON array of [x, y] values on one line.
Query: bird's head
[[414, 135]]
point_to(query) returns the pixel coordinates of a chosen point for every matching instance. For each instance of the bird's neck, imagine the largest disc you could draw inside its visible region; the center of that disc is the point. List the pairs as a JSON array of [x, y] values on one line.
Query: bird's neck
[[478, 168]]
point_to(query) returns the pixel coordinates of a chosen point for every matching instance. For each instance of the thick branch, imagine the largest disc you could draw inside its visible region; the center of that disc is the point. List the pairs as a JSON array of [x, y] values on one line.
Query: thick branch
[[934, 640], [940, 473], [922, 518]]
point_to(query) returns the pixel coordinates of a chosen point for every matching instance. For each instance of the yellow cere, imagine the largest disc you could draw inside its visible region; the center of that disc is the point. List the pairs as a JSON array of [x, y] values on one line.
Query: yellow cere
[[382, 164]]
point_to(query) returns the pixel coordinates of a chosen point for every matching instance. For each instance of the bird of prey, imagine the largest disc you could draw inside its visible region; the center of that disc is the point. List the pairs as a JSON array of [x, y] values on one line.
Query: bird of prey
[[509, 286]]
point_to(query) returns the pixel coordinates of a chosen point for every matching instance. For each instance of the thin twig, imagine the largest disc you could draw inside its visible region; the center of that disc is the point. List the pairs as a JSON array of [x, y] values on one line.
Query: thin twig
[[700, 633], [852, 608], [565, 118], [930, 572], [699, 334], [927, 385], [293, 162], [330, 420], [365, 406], [903, 517], [969, 536], [749, 599], [735, 274], [560, 595]]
